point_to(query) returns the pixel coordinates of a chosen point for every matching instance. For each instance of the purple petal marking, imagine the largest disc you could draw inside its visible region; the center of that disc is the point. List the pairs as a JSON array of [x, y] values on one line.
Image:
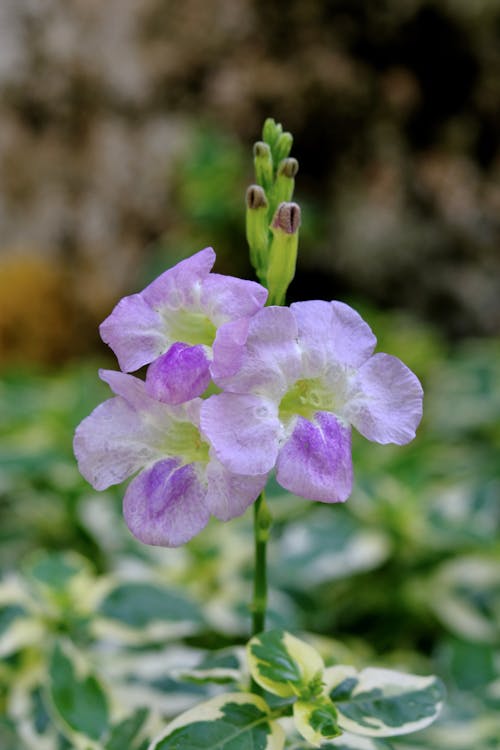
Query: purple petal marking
[[180, 286], [228, 494], [179, 375], [386, 401], [315, 462], [243, 430], [165, 505], [270, 360], [331, 332], [112, 443], [226, 298], [134, 332]]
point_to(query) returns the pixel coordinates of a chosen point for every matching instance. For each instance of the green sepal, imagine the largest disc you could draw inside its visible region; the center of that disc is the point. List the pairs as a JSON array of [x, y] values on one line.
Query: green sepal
[[383, 702], [285, 665], [283, 147], [227, 722], [316, 720], [271, 131], [77, 697]]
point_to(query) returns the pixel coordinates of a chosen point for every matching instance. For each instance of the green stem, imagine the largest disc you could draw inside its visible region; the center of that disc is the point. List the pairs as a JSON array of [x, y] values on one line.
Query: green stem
[[262, 526]]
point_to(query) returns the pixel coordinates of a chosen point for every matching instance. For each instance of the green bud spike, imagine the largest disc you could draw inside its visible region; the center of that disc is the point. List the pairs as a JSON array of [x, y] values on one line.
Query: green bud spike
[[284, 184], [257, 229], [283, 147], [283, 251], [271, 131], [263, 163]]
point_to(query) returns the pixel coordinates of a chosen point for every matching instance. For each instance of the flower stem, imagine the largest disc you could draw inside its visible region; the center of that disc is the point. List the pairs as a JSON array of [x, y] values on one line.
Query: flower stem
[[262, 526]]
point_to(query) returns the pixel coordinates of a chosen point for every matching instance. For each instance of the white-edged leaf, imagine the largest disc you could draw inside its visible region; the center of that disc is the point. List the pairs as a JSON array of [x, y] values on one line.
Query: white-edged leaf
[[383, 702], [347, 741], [284, 664], [221, 667], [465, 594], [77, 697], [326, 546], [138, 612], [227, 722], [317, 720]]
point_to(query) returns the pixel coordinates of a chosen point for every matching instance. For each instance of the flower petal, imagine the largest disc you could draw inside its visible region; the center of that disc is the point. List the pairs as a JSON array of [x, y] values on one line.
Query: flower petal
[[134, 332], [180, 286], [271, 358], [227, 349], [243, 430], [386, 401], [228, 494], [331, 332], [226, 298], [165, 505], [315, 462], [112, 443], [179, 375]]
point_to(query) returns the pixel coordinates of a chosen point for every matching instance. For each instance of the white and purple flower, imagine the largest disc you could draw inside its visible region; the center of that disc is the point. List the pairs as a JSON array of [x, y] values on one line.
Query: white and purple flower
[[295, 380], [179, 482], [175, 320]]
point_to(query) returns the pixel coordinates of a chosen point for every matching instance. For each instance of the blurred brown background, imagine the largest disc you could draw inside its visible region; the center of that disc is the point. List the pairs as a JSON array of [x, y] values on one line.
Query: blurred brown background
[[125, 135]]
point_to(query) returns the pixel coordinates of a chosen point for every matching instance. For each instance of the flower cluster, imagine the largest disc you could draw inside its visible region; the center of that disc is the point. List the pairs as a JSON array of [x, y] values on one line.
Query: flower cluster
[[234, 390]]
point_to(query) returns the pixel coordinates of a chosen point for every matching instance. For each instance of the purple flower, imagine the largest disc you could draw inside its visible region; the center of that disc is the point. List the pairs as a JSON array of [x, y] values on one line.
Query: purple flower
[[180, 482], [183, 307], [304, 376]]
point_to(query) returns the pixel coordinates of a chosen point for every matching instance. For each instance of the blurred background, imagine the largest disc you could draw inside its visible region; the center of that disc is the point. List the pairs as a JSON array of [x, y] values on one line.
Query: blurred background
[[125, 145]]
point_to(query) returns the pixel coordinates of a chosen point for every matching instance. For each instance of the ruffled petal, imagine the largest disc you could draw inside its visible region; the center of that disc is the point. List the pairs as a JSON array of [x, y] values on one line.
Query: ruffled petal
[[227, 349], [315, 462], [135, 333], [385, 402], [243, 430], [180, 286], [228, 494], [226, 298], [179, 375], [165, 505], [270, 360], [331, 333], [129, 387], [113, 443]]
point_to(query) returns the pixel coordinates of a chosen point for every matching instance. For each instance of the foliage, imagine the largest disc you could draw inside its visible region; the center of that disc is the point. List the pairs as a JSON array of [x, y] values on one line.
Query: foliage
[[405, 574]]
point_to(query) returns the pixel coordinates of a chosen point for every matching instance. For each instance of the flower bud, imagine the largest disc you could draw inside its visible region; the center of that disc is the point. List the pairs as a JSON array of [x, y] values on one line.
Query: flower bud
[[283, 146], [283, 251], [263, 163], [257, 228], [271, 131], [285, 183]]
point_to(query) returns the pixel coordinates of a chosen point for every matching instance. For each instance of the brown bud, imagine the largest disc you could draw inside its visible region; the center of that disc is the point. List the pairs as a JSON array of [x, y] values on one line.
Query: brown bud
[[287, 218], [256, 197], [288, 167]]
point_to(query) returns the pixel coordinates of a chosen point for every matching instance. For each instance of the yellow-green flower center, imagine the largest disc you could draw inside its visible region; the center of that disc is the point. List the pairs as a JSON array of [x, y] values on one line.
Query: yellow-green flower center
[[305, 398], [183, 439], [190, 327]]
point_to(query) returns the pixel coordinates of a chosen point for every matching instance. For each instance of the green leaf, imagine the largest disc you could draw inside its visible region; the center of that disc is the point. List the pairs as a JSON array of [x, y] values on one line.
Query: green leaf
[[137, 605], [219, 667], [125, 734], [465, 594], [228, 722], [78, 699], [316, 720], [347, 741], [285, 665], [55, 570], [382, 702], [326, 546]]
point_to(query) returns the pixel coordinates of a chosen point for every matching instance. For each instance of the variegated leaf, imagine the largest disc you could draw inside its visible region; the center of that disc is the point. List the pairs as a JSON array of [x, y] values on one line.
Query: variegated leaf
[[227, 722], [317, 720], [77, 697], [285, 665], [383, 702]]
